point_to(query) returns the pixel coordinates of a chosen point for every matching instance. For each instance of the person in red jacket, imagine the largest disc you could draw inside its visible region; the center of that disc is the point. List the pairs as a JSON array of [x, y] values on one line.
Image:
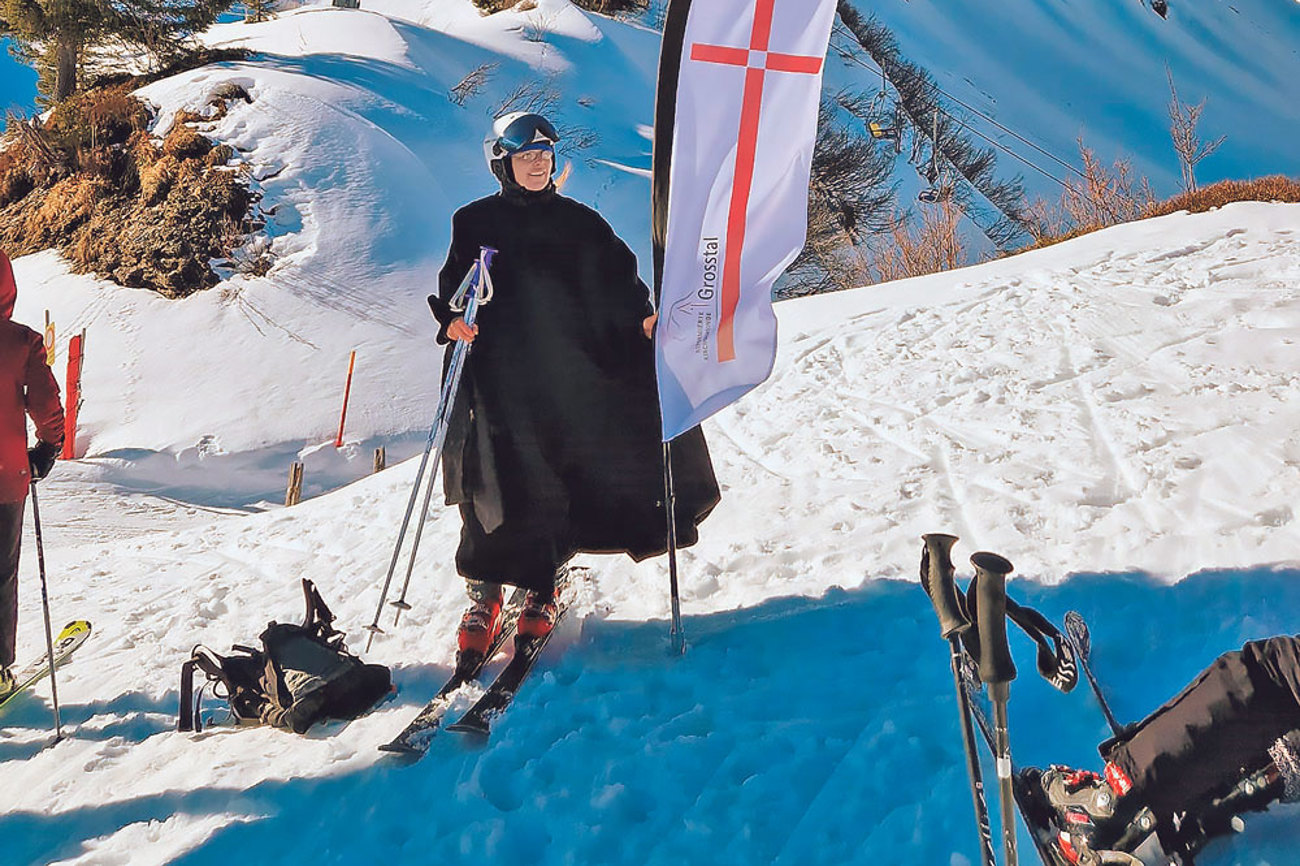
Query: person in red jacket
[[27, 387]]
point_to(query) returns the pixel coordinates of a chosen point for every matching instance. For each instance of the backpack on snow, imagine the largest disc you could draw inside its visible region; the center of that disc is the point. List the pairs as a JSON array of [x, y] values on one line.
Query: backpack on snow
[[302, 674]]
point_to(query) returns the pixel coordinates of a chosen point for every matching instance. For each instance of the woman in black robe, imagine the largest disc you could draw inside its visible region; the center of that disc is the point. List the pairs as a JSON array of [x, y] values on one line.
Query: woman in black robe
[[554, 445]]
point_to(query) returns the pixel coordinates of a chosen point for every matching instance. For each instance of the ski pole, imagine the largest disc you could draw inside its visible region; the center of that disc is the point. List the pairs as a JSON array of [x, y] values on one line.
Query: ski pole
[[45, 606], [937, 576], [997, 670], [466, 288], [1076, 632], [481, 293]]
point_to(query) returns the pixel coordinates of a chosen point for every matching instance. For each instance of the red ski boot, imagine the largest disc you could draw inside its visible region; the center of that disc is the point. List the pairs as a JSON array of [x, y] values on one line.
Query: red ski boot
[[479, 626], [538, 616]]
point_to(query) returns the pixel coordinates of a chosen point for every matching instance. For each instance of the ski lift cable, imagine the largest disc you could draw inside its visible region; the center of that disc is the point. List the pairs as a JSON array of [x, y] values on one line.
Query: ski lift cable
[[936, 153], [853, 56], [1015, 155], [856, 59], [848, 55]]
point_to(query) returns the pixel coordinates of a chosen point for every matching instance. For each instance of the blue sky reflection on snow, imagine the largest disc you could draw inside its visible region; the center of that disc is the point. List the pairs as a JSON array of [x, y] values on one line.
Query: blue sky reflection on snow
[[835, 714]]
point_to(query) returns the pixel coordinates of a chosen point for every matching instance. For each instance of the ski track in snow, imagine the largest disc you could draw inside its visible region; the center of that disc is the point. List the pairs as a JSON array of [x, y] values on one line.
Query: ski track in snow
[[1081, 409], [1113, 414]]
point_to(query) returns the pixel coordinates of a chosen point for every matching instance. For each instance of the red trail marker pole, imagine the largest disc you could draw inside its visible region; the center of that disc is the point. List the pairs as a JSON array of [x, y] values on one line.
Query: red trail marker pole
[[73, 396], [347, 390]]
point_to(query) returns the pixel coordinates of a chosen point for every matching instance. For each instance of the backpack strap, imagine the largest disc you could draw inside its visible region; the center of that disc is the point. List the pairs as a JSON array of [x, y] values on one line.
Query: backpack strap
[[187, 713], [319, 619], [279, 700], [204, 659]]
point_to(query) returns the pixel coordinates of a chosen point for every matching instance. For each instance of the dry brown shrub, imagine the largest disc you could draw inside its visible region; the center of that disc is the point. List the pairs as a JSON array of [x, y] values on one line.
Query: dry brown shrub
[[15, 175], [119, 205], [1100, 197], [914, 250], [95, 118], [183, 142], [142, 150], [156, 179], [1274, 188], [219, 155], [71, 202]]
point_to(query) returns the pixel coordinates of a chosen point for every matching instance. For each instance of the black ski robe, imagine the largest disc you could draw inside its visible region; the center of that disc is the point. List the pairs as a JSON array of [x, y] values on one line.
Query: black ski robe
[[554, 444]]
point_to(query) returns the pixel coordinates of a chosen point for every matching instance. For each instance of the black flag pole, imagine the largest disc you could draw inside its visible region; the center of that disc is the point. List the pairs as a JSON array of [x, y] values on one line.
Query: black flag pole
[[676, 635], [670, 59]]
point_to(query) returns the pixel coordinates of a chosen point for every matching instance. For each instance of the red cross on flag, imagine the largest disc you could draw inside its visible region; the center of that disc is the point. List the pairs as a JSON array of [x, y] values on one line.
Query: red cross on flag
[[735, 123]]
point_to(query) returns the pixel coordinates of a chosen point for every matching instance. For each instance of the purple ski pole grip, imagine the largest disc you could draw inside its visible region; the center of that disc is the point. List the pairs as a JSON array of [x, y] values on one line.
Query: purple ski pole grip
[[991, 573], [938, 578], [486, 254]]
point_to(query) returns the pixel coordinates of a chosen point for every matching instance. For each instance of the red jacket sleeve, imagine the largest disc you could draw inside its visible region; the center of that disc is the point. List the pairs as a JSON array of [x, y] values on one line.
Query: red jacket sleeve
[[42, 398]]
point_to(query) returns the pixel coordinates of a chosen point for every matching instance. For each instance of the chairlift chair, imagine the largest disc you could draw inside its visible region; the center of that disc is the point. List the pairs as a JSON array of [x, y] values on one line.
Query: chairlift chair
[[889, 133]]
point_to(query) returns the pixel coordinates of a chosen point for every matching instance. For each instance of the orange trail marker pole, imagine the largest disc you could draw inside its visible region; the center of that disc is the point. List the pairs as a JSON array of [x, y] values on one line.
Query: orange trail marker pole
[[347, 390], [73, 396]]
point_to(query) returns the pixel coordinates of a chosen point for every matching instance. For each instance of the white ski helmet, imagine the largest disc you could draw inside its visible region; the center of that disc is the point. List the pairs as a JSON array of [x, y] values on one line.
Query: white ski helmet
[[515, 132]]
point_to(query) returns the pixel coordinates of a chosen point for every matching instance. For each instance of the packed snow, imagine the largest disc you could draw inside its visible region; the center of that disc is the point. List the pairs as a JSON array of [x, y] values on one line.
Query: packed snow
[[1118, 415]]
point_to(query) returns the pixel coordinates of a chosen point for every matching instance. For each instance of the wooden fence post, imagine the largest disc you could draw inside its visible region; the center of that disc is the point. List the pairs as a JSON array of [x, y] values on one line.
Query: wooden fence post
[[293, 495], [49, 340]]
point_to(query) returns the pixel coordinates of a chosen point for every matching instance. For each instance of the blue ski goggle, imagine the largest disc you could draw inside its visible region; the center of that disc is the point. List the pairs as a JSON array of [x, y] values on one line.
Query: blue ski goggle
[[523, 133]]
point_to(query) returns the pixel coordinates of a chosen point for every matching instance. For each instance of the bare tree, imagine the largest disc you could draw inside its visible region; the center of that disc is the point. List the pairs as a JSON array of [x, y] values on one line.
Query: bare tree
[[914, 249], [540, 97], [471, 84], [1187, 144], [851, 195]]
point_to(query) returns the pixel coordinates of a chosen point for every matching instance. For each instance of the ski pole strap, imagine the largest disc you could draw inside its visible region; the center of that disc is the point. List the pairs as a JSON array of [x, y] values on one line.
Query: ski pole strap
[[1055, 660], [477, 283], [457, 302]]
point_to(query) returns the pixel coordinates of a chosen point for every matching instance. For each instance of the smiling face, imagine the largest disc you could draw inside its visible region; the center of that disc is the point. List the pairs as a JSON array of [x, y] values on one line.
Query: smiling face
[[532, 168]]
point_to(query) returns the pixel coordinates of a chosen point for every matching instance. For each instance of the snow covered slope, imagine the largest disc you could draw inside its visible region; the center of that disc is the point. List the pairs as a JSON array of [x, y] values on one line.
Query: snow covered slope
[[1122, 408], [1125, 401]]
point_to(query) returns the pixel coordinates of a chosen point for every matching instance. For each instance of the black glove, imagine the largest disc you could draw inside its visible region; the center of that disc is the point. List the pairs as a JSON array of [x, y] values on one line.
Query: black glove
[[41, 458]]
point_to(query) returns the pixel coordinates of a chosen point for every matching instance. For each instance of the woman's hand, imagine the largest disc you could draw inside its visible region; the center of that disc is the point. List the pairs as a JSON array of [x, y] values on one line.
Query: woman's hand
[[458, 330], [647, 325]]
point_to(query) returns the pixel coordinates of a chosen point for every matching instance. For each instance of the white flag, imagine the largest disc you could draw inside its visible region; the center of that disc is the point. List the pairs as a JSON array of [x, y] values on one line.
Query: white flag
[[736, 121]]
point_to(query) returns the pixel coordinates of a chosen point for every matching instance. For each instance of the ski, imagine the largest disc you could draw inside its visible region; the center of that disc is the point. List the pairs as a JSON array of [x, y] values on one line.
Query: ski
[[478, 718], [74, 634], [414, 738]]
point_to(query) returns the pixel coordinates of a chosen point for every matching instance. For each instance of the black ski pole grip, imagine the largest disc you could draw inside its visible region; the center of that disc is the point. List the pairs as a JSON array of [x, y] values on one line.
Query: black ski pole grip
[[939, 579], [991, 573]]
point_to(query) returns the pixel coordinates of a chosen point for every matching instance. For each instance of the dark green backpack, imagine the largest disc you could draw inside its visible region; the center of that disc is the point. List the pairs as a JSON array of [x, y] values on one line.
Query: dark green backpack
[[302, 674]]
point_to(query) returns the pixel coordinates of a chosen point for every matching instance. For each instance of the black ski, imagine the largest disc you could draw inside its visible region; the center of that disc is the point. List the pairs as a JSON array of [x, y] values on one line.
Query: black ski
[[414, 739], [478, 719]]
